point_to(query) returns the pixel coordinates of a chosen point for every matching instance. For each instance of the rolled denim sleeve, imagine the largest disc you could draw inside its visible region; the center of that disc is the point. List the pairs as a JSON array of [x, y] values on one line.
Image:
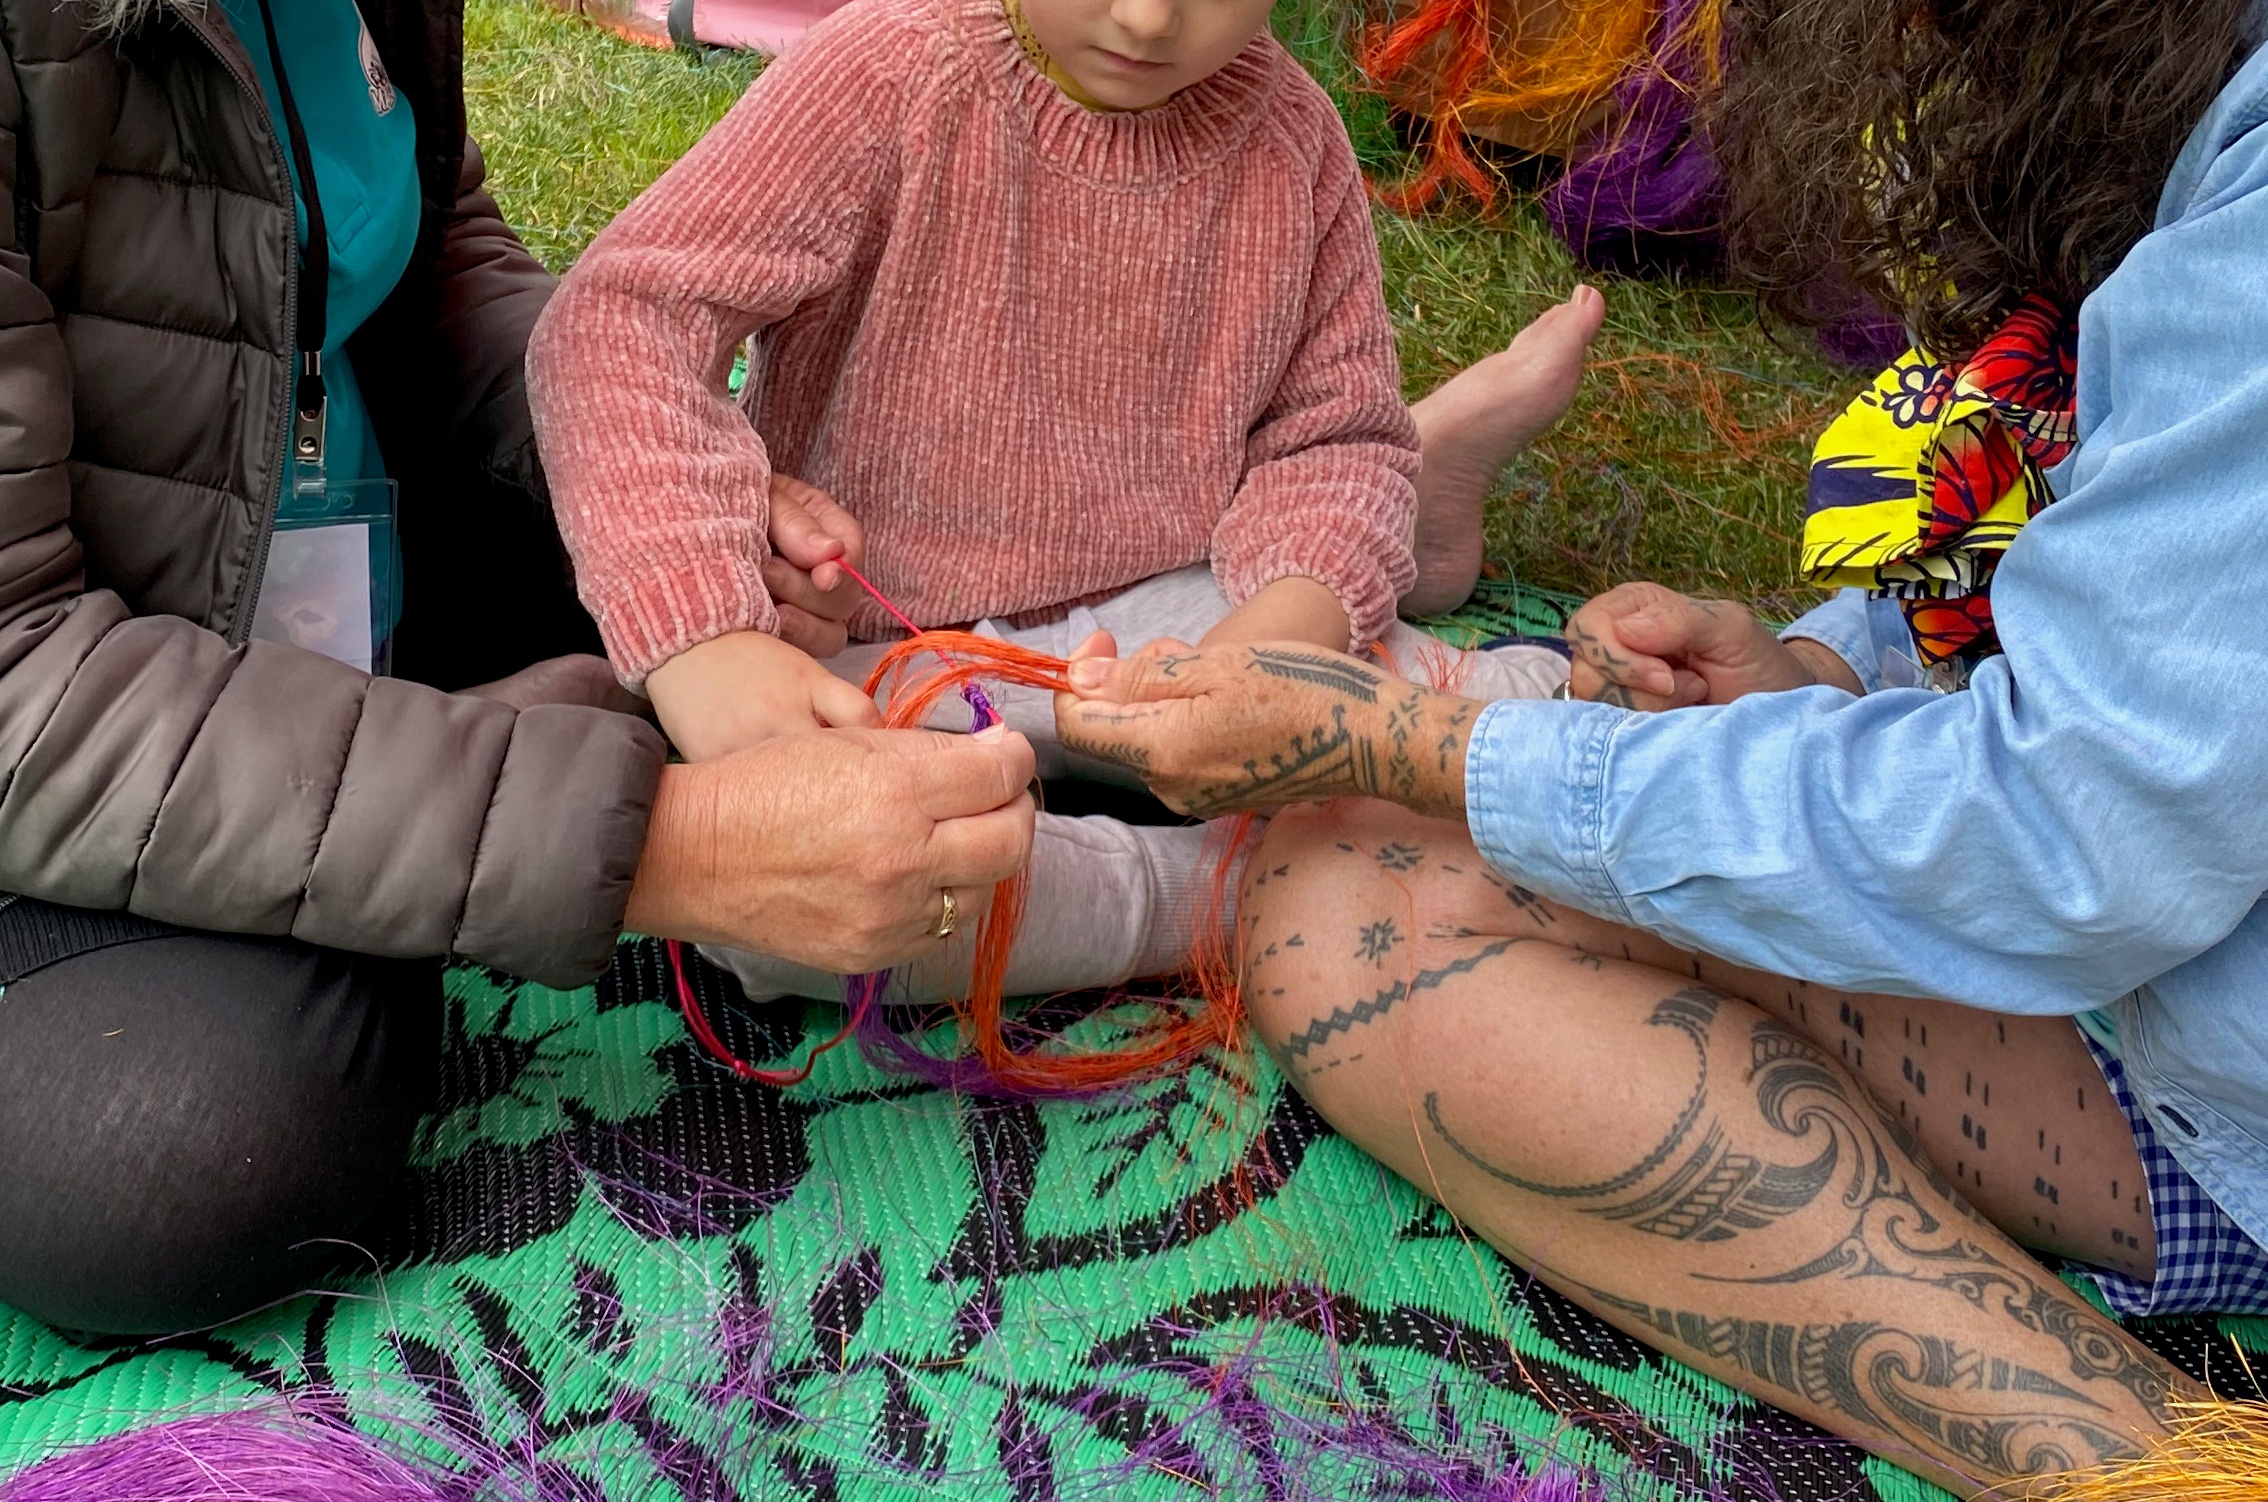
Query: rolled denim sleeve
[[2093, 811]]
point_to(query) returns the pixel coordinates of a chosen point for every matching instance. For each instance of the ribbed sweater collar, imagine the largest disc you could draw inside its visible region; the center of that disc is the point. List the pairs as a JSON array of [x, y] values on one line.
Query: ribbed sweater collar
[[1191, 132]]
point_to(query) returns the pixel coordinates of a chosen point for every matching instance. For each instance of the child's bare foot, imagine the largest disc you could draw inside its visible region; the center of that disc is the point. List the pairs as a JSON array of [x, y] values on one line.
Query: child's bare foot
[[1469, 428]]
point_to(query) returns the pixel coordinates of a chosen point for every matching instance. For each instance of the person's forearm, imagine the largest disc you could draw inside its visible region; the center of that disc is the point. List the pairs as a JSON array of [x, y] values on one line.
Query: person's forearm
[[679, 858], [1825, 664], [1414, 750], [1292, 608]]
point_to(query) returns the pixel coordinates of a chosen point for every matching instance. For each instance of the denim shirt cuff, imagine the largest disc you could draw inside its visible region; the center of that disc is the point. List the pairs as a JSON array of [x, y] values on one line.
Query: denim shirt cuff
[[1535, 794]]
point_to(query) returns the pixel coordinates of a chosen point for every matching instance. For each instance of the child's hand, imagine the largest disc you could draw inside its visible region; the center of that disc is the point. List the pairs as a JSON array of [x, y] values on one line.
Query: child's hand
[[1645, 647], [809, 533], [733, 691]]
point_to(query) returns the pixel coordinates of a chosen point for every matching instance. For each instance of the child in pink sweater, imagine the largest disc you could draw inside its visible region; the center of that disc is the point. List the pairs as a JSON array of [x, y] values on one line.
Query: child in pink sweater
[[1070, 312]]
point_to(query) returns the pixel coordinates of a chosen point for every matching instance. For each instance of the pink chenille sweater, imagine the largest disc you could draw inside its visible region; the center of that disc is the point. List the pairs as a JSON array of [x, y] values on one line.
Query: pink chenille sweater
[[1039, 353]]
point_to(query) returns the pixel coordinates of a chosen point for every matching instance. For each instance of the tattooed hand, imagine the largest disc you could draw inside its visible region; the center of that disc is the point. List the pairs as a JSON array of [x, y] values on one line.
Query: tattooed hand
[[1262, 726], [1645, 647]]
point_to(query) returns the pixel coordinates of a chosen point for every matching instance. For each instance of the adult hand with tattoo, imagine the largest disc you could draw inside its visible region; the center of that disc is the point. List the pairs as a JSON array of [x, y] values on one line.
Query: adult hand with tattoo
[[1239, 727], [1646, 647]]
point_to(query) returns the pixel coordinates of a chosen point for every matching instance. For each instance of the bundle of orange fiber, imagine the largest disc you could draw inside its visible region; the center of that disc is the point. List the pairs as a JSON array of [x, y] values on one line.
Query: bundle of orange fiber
[[998, 1056], [1542, 76]]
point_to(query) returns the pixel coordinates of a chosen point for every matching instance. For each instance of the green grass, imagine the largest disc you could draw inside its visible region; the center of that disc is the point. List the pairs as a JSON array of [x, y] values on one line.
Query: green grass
[[575, 121], [1683, 460]]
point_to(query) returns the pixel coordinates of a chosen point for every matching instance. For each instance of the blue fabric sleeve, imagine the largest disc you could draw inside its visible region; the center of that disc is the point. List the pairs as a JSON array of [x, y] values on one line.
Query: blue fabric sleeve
[[2091, 813]]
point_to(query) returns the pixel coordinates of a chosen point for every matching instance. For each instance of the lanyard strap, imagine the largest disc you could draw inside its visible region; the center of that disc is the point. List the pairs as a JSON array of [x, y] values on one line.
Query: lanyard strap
[[314, 267]]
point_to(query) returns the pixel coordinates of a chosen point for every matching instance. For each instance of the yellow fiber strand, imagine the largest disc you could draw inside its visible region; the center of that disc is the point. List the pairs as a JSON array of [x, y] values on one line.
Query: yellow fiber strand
[[2215, 1452]]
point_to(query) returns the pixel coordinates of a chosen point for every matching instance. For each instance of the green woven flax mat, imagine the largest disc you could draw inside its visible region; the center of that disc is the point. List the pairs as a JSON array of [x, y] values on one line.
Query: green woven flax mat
[[1504, 607], [612, 1257]]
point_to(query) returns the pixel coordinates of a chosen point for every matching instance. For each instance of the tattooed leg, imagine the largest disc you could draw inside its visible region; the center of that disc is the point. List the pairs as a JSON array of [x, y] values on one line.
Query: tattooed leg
[[2012, 1109], [1694, 1167]]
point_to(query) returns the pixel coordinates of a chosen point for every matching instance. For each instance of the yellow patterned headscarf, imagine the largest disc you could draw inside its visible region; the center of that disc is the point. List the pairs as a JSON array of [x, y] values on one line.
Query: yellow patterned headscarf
[[1920, 486]]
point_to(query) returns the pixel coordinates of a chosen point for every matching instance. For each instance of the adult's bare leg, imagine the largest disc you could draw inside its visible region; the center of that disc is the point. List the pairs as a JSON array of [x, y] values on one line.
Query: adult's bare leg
[[1690, 1156]]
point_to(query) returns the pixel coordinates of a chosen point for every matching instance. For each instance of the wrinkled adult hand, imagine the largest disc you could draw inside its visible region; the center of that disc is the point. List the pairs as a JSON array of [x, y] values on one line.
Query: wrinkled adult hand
[[811, 539], [1649, 648], [830, 849], [1241, 727]]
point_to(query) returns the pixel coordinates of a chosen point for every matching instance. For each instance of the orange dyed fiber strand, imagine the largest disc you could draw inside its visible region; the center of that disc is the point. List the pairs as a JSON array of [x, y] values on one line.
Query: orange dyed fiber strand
[[1179, 1033], [1548, 63]]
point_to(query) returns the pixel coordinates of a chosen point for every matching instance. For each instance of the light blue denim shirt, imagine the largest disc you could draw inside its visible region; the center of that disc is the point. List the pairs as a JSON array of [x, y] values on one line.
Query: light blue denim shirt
[[2088, 824]]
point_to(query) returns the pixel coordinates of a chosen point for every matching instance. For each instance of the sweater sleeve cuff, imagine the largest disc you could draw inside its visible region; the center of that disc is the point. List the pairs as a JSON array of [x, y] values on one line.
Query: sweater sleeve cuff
[[685, 592], [1535, 786]]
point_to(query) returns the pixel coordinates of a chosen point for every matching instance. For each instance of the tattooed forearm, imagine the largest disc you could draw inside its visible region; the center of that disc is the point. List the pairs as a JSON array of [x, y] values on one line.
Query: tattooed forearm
[[1910, 1388]]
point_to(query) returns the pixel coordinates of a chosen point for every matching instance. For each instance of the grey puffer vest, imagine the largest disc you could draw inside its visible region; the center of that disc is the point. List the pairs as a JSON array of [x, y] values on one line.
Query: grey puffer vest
[[150, 760]]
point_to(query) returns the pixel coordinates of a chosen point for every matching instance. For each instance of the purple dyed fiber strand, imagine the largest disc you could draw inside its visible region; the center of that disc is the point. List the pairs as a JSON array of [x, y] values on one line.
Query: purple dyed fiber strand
[[276, 1456], [1652, 174], [1653, 177]]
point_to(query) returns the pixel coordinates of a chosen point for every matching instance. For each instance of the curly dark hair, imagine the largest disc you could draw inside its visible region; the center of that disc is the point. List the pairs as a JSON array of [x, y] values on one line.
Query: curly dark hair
[[1946, 157]]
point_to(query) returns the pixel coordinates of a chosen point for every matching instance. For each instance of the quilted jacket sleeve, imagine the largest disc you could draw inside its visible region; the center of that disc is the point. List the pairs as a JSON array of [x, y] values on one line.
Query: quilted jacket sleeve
[[147, 765], [488, 292]]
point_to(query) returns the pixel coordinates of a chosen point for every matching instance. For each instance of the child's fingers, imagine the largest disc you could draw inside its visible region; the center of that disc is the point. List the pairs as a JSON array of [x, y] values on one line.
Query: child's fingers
[[795, 528], [845, 529], [789, 585], [842, 706], [836, 523]]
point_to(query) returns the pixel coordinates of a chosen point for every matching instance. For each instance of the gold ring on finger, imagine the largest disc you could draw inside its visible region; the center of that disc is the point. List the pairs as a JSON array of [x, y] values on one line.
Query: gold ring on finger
[[950, 918]]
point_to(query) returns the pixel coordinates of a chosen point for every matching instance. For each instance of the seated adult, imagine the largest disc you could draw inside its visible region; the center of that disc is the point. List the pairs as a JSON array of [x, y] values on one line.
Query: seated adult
[[1641, 996], [238, 861]]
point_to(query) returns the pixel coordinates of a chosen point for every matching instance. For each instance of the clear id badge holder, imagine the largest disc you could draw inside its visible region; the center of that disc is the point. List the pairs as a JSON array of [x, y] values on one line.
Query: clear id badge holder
[[331, 580], [332, 583], [1903, 669]]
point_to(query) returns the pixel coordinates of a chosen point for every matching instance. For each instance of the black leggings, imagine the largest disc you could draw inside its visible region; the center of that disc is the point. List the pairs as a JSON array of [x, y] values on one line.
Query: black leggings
[[190, 1123]]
